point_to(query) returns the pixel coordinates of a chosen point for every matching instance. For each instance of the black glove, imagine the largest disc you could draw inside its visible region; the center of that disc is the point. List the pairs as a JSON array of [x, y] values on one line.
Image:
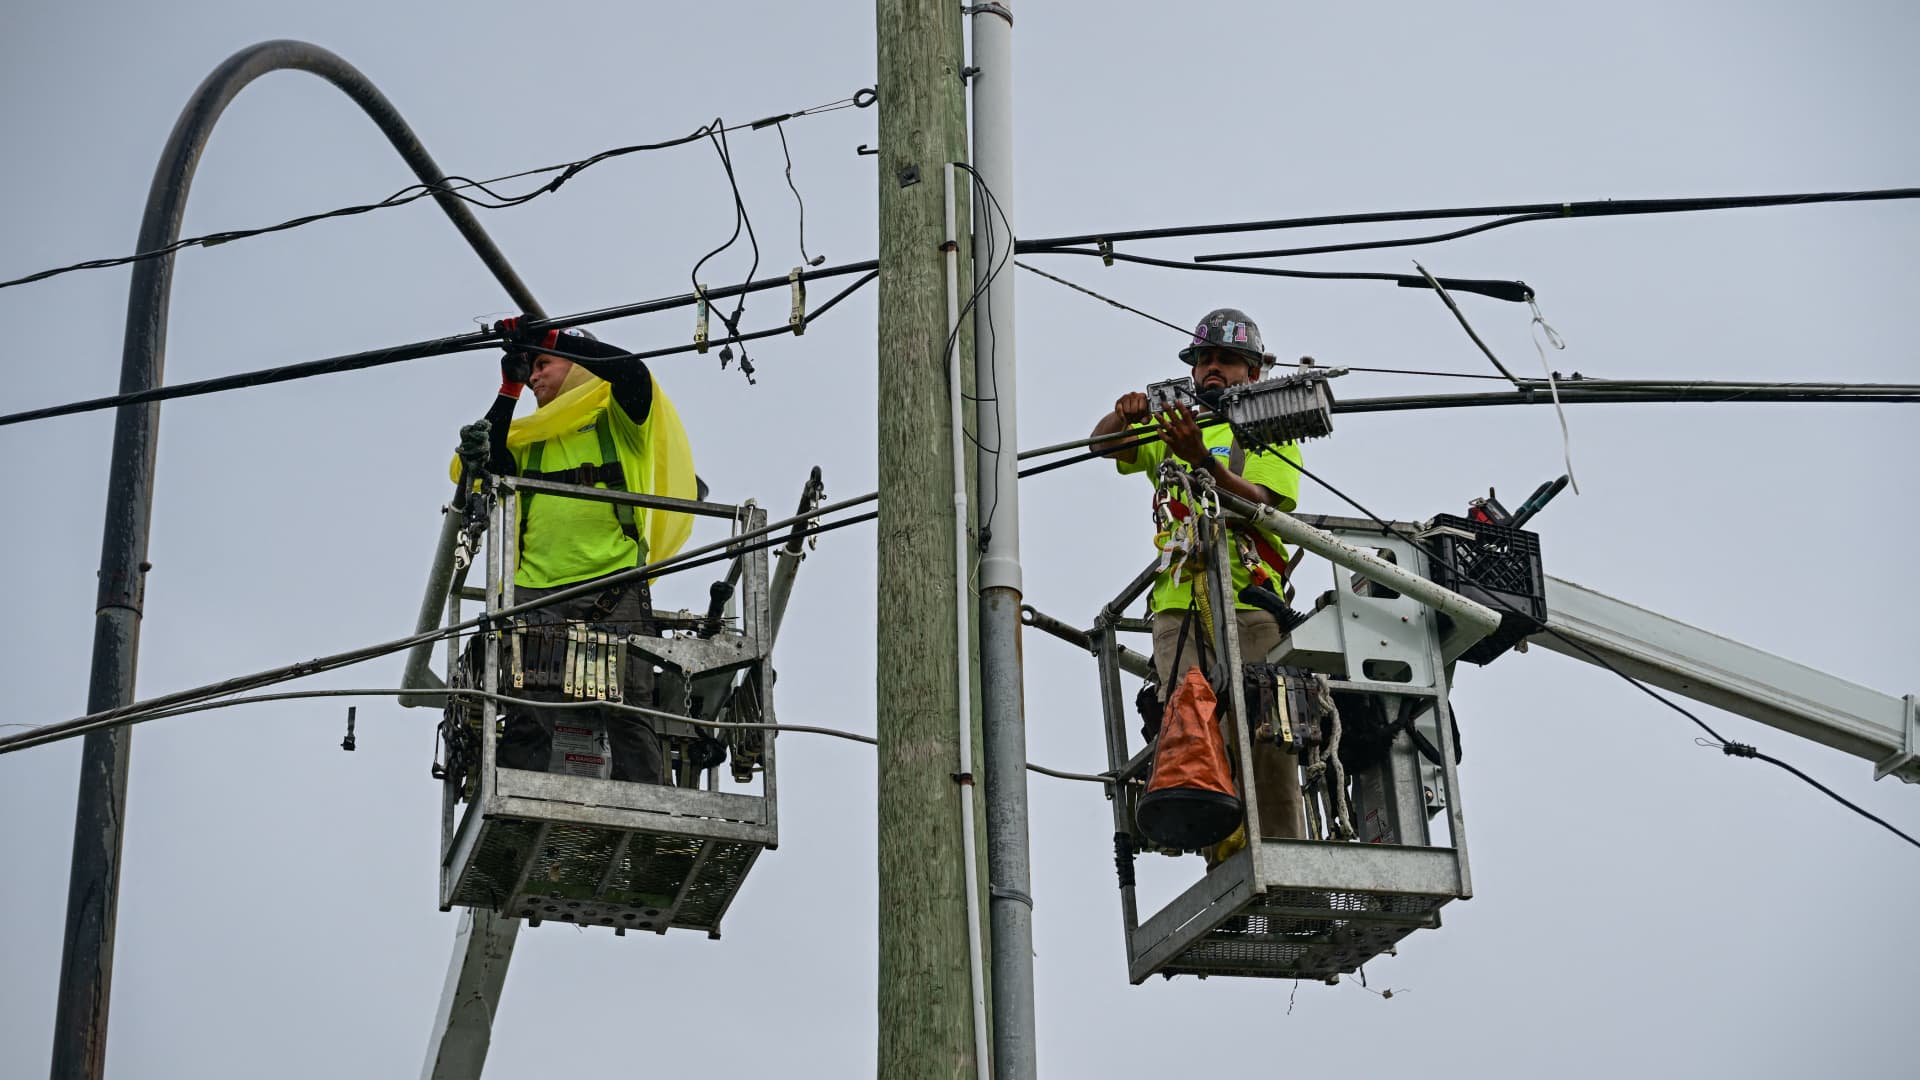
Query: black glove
[[515, 367], [516, 364]]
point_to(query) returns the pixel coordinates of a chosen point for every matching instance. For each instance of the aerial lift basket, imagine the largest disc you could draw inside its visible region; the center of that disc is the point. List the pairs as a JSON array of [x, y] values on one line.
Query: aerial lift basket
[[591, 851], [1382, 860]]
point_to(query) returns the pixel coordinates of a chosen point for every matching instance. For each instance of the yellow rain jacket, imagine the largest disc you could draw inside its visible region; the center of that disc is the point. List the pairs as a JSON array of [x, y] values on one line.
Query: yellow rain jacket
[[569, 540]]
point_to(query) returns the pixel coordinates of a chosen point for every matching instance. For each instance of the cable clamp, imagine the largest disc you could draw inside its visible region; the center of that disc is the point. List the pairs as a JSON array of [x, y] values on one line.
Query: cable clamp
[[1735, 749], [1001, 892], [1106, 252], [797, 319], [963, 778], [989, 8]]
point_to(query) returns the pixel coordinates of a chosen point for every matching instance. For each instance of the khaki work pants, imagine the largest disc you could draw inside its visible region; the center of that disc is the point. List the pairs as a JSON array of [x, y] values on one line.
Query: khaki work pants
[[1276, 773]]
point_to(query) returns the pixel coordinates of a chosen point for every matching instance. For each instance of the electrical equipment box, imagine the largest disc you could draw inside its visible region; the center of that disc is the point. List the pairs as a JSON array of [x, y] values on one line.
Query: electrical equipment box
[[1264, 413], [570, 844], [1289, 408], [1385, 848]]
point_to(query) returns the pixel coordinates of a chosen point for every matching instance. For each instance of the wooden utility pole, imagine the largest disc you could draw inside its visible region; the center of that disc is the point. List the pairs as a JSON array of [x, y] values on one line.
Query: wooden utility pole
[[927, 1018]]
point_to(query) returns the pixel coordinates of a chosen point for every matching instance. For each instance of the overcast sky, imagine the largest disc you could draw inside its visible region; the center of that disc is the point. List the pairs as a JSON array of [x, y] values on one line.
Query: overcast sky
[[1644, 906]]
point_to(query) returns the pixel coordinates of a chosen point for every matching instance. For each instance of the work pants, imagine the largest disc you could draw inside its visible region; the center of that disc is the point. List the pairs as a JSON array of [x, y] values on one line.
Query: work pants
[[1276, 773], [528, 740]]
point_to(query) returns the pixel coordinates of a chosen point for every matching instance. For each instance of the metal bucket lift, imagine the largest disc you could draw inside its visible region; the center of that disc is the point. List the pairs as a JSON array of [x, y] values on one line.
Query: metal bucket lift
[[1387, 845], [585, 850]]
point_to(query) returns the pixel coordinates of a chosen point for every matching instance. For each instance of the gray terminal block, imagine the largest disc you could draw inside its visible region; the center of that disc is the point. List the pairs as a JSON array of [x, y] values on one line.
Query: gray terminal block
[[1270, 412]]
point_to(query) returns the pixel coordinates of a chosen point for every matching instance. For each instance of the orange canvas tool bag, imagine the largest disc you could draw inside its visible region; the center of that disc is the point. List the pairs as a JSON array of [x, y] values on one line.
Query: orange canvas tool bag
[[1190, 801]]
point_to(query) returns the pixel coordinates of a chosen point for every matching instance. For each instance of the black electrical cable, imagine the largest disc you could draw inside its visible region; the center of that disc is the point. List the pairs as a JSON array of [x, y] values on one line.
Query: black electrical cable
[[1590, 208], [1512, 291], [135, 712], [1375, 245], [994, 269], [805, 259], [1184, 332], [456, 186], [286, 373], [1515, 214], [372, 358], [755, 335], [740, 219]]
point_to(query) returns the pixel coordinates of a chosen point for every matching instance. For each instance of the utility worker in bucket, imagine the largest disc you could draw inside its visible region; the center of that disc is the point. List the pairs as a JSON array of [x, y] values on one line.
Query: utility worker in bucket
[[1226, 350], [602, 420]]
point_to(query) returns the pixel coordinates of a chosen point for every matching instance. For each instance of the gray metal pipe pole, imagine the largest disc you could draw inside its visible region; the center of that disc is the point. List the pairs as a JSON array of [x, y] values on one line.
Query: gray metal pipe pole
[[1002, 704], [93, 890]]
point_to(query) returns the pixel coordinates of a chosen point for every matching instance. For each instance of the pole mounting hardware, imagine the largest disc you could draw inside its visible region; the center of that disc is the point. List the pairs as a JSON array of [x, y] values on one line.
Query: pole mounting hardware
[[797, 319]]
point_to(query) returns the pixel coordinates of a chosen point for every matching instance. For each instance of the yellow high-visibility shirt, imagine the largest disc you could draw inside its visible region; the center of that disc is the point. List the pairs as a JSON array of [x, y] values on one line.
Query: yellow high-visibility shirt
[[569, 540], [1265, 468]]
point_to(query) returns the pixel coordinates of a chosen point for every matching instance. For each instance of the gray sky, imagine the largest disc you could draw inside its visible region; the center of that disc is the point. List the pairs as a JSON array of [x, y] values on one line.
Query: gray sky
[[1643, 905]]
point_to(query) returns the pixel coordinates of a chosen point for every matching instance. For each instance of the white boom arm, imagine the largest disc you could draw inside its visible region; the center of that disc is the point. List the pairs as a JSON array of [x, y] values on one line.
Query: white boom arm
[[1738, 678]]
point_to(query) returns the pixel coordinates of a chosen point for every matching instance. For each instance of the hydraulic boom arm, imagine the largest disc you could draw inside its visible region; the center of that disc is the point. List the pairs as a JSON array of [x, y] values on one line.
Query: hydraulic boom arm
[[1738, 678]]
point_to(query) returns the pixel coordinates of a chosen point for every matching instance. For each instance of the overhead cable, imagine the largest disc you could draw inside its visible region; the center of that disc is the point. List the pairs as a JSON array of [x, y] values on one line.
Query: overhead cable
[[1185, 333], [717, 551], [1519, 214], [612, 706], [379, 357], [1515, 292], [1588, 208], [456, 186]]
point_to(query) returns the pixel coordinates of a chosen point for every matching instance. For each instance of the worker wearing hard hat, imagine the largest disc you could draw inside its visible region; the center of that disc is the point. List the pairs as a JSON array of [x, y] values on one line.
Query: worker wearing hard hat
[[1226, 350], [602, 420]]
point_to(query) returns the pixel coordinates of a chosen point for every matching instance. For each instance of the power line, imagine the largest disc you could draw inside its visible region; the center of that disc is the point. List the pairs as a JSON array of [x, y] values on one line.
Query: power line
[[1519, 214], [1185, 333], [1512, 291], [732, 548], [456, 186], [612, 706], [718, 551], [1590, 208], [377, 358]]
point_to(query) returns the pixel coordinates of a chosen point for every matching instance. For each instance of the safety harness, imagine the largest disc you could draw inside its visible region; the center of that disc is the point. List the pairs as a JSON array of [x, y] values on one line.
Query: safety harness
[[609, 472], [1267, 568]]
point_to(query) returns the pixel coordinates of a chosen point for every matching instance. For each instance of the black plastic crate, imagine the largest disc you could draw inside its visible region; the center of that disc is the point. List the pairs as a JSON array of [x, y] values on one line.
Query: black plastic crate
[[1499, 567]]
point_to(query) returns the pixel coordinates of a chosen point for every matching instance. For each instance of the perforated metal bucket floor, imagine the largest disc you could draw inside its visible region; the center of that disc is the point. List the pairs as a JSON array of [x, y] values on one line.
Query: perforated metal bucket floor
[[1306, 934], [599, 876]]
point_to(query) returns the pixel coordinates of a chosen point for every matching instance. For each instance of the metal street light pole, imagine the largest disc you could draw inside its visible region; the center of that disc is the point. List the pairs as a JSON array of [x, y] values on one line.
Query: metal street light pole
[[86, 962]]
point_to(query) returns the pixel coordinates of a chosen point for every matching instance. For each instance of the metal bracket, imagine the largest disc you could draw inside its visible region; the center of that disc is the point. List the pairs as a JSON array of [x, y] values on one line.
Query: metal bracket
[[1905, 763], [700, 318], [797, 319]]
